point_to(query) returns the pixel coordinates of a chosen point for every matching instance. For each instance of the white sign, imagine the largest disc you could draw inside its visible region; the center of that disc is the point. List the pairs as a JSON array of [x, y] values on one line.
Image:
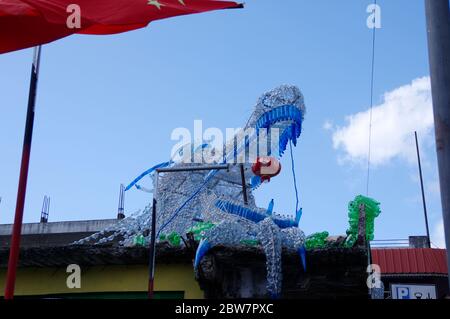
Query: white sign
[[407, 291]]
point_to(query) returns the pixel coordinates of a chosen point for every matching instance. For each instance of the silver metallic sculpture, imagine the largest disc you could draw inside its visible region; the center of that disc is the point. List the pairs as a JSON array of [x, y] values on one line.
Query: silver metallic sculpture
[[188, 198]]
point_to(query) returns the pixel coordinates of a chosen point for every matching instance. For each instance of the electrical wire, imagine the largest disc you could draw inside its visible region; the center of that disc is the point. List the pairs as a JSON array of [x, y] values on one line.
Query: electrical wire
[[371, 102]]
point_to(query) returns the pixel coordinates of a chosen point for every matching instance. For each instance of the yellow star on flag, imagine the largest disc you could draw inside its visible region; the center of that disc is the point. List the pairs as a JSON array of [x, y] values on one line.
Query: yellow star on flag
[[155, 3]]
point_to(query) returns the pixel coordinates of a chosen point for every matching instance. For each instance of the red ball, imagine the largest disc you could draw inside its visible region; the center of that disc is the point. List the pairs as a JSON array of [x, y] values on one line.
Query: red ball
[[266, 167]]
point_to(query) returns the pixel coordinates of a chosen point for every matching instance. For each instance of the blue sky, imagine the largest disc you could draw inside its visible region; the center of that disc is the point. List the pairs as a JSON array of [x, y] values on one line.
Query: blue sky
[[107, 105]]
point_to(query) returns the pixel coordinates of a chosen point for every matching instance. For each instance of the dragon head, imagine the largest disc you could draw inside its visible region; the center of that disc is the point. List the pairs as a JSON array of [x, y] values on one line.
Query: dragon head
[[282, 108]]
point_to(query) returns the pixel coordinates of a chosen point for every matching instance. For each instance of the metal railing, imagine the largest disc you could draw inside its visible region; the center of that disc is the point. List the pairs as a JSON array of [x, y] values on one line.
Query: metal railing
[[388, 243]]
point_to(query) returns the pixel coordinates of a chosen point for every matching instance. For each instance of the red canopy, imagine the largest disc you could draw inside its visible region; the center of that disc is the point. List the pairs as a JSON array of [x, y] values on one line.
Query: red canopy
[[27, 23]]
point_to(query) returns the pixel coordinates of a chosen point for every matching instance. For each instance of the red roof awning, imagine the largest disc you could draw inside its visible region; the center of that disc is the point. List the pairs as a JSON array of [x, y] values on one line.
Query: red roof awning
[[410, 260]]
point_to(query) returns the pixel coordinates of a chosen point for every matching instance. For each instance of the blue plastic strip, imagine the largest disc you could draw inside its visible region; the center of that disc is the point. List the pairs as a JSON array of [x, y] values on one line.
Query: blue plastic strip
[[149, 171], [270, 208], [252, 215], [285, 112], [244, 212], [302, 254], [291, 133], [255, 181], [202, 249], [298, 215], [201, 147], [285, 223]]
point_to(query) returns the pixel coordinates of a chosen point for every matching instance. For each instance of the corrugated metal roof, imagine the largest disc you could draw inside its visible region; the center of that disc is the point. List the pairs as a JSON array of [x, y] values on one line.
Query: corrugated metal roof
[[410, 260]]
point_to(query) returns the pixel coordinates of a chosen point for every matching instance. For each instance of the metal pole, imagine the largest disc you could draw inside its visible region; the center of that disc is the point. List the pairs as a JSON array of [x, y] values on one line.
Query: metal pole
[[438, 30], [151, 264], [423, 191], [244, 185], [48, 207], [193, 168], [362, 228], [21, 192], [121, 211], [45, 209], [152, 252]]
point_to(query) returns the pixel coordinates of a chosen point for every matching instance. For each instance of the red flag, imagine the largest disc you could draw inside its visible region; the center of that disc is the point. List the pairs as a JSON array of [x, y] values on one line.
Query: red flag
[[27, 23]]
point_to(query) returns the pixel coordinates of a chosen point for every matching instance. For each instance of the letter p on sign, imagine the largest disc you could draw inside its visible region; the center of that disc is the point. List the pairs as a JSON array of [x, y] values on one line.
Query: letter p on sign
[[403, 293]]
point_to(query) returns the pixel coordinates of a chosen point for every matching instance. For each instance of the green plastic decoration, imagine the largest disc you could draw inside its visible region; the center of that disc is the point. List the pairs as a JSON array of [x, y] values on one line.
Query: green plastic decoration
[[250, 242], [174, 239], [139, 240], [199, 230], [372, 209], [316, 240]]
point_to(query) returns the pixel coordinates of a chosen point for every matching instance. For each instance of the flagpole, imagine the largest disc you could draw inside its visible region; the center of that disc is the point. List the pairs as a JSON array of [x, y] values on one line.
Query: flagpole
[[423, 191], [17, 227], [438, 31]]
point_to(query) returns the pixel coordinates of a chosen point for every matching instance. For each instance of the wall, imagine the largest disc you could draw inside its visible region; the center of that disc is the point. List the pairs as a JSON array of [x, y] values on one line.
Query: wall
[[54, 233], [82, 226], [133, 278]]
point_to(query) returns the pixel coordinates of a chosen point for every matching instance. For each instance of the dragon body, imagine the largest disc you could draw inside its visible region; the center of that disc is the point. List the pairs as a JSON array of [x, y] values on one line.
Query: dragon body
[[186, 200]]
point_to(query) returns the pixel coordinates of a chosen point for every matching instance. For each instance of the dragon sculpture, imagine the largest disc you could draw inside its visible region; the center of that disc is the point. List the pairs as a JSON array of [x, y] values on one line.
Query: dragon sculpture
[[188, 200]]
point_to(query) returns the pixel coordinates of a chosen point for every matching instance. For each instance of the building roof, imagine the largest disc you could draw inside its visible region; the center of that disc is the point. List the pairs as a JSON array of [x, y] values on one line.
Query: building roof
[[90, 255], [78, 226], [410, 260], [54, 233]]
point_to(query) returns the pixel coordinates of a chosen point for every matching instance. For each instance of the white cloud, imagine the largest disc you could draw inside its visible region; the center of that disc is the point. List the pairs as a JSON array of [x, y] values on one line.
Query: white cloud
[[328, 125], [403, 111], [438, 237]]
